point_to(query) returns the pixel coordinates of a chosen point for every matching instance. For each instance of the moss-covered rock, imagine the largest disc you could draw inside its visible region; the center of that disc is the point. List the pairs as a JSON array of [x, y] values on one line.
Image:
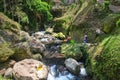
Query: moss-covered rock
[[63, 23], [59, 35], [105, 62], [9, 29], [71, 51], [22, 51], [9, 34], [7, 23], [109, 22], [5, 52]]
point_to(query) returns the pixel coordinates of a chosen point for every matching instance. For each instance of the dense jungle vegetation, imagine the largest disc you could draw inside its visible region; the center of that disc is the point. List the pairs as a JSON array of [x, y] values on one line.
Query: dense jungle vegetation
[[19, 19]]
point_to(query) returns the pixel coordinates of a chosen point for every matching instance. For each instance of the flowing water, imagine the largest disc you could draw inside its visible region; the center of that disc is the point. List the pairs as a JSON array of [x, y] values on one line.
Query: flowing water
[[56, 74]]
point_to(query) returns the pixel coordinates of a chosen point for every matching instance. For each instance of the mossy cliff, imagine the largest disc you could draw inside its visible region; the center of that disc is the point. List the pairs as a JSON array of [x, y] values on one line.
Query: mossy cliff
[[74, 20], [103, 61], [63, 22], [9, 34]]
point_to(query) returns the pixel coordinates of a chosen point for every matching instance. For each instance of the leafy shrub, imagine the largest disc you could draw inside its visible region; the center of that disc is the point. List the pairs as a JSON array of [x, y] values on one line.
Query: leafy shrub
[[39, 7]]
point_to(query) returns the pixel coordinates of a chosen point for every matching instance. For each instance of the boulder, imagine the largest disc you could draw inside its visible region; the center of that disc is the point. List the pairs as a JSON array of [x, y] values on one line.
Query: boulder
[[22, 51], [24, 36], [71, 51], [36, 46], [38, 34], [29, 69], [72, 65], [9, 29], [5, 52]]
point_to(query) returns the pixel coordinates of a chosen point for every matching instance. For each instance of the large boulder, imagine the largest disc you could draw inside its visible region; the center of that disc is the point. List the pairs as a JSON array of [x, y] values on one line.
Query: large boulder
[[72, 65], [9, 30], [9, 34], [22, 51], [30, 69], [36, 46], [71, 51]]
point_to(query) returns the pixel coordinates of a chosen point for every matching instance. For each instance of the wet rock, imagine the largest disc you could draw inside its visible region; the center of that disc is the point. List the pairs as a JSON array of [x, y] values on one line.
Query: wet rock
[[8, 73], [72, 65], [30, 69], [53, 70]]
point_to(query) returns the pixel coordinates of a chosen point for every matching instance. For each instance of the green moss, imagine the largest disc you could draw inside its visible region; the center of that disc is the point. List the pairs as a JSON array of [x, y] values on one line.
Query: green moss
[[109, 22], [106, 59], [59, 35], [73, 51], [8, 23], [22, 51], [5, 52], [63, 23]]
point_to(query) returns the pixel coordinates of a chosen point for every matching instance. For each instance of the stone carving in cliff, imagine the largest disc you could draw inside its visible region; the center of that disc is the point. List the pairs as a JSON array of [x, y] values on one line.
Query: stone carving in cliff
[[30, 69]]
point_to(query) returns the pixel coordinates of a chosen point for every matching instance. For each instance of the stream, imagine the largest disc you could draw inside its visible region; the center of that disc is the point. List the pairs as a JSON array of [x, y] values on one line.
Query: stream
[[55, 62]]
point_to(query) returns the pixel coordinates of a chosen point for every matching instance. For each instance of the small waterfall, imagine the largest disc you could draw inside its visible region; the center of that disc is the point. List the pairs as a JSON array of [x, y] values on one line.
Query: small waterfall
[[55, 74], [83, 72]]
